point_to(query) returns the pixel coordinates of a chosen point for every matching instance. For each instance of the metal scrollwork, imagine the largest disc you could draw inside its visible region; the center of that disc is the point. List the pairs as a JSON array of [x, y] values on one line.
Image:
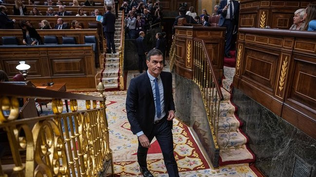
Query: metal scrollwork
[[9, 108]]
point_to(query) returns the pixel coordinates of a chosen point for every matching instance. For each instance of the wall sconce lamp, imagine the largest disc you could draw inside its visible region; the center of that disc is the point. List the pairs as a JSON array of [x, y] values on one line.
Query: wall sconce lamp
[[23, 68]]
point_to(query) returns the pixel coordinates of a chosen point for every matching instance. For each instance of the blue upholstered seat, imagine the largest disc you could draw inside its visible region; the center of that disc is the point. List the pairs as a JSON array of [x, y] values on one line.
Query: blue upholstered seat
[[9, 40], [50, 40], [69, 40]]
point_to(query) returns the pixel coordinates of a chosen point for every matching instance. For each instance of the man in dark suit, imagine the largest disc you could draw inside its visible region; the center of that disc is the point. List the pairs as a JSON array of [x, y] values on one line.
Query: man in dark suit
[[150, 111], [60, 24], [187, 18], [229, 11], [109, 29], [5, 21], [62, 11], [141, 51]]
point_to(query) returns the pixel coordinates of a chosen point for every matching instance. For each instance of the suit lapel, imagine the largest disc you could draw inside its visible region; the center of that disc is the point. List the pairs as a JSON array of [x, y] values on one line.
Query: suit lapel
[[148, 86]]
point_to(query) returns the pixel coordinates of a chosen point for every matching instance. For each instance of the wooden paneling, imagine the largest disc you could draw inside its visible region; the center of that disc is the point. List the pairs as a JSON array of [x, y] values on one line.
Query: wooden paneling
[[277, 68], [214, 43], [54, 63], [276, 14]]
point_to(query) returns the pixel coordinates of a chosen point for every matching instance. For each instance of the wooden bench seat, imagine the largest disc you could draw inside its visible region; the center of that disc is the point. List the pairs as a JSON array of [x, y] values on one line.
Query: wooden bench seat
[[43, 9], [77, 34], [72, 64]]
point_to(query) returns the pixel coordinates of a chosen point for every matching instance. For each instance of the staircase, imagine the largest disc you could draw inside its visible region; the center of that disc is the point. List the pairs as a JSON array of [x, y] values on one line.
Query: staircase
[[109, 72], [231, 140]]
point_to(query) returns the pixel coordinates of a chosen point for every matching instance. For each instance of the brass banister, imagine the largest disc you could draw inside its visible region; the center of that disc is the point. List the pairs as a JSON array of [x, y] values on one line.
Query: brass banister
[[59, 144], [121, 54]]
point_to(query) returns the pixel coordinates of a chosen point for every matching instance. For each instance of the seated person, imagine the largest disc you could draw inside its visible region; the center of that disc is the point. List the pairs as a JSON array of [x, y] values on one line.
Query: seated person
[[62, 11], [60, 24], [45, 25], [298, 20], [182, 15], [310, 18], [50, 12], [30, 35], [205, 21], [35, 12], [81, 12]]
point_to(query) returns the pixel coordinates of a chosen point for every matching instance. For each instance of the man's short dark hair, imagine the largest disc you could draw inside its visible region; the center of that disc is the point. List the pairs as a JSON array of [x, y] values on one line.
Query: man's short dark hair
[[153, 52], [109, 8], [182, 10]]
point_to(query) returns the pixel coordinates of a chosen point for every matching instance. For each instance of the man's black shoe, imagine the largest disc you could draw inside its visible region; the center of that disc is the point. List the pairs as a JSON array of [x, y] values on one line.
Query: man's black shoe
[[228, 56], [108, 51], [145, 172]]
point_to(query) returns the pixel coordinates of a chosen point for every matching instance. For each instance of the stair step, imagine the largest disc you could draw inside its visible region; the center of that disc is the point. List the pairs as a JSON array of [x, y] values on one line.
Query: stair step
[[111, 86], [229, 123], [233, 155], [231, 139]]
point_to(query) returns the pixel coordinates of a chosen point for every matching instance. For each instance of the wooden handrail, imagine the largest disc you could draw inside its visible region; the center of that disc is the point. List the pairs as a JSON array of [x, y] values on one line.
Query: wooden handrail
[[24, 91]]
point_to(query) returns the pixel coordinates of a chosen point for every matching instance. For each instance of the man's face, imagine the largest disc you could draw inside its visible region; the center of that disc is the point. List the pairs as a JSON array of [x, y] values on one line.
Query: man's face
[[59, 21], [155, 65]]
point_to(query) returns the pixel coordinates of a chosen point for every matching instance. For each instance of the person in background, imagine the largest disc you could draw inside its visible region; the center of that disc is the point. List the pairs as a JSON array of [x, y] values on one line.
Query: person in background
[[298, 20], [98, 16], [215, 12], [78, 25], [204, 12], [5, 21], [125, 8], [197, 19], [80, 12], [45, 25], [140, 23], [131, 25], [150, 111], [141, 51], [116, 3], [191, 12], [229, 10], [161, 45], [19, 8], [61, 11], [60, 24], [187, 18], [310, 18], [35, 12], [109, 29], [75, 3], [89, 3], [50, 11], [30, 35], [3, 76], [205, 21]]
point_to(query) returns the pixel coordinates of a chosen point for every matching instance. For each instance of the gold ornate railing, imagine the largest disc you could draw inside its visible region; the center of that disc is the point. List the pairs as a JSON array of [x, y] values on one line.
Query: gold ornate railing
[[204, 77], [172, 53], [74, 143], [122, 47]]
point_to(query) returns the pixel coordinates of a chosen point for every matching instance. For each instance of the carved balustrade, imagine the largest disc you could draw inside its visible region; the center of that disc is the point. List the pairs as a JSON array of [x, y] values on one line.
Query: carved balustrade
[[62, 143]]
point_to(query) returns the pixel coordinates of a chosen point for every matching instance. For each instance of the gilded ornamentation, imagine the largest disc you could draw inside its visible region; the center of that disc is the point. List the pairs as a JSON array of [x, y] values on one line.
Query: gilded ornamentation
[[189, 53], [73, 105], [8, 105], [238, 58], [263, 20], [57, 106], [283, 73]]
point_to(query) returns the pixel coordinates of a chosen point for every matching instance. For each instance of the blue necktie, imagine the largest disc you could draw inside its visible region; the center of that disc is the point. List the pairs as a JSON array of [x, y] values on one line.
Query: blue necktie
[[158, 106], [231, 10]]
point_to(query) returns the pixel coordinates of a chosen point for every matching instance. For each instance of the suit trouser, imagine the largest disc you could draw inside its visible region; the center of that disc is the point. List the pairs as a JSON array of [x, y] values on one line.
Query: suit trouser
[[110, 41], [229, 24], [163, 134]]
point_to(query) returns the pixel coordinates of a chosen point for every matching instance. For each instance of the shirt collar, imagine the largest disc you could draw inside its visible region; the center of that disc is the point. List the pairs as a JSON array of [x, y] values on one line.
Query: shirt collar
[[152, 78]]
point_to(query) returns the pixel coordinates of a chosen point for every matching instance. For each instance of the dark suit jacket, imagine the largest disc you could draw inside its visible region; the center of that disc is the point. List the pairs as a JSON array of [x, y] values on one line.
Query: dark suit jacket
[[33, 34], [63, 14], [188, 18], [5, 22], [17, 11], [161, 45], [141, 47], [140, 106], [223, 13], [64, 26], [108, 22]]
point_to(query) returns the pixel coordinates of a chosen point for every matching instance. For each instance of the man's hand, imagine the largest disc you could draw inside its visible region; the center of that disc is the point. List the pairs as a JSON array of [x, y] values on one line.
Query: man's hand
[[170, 115], [144, 141]]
